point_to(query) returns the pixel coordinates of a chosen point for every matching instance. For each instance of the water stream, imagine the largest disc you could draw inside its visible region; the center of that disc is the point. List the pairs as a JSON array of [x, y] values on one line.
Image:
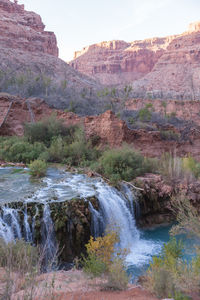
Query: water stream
[[116, 208]]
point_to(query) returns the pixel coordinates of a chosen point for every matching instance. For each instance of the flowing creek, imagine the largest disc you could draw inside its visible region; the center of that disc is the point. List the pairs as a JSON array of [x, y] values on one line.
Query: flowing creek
[[116, 208]]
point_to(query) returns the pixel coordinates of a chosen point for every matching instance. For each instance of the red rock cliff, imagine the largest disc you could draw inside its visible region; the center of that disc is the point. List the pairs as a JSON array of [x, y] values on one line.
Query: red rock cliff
[[24, 30], [167, 67]]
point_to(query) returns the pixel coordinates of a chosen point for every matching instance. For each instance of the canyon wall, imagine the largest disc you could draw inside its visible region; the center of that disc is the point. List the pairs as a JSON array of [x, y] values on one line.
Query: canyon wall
[[29, 63], [163, 67]]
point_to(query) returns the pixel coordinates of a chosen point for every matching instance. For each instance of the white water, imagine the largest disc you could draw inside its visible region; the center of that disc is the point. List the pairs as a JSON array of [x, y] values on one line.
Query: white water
[[115, 209]]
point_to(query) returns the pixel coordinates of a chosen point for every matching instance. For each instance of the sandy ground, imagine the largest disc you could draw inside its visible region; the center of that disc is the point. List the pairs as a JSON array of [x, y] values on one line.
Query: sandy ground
[[70, 285]]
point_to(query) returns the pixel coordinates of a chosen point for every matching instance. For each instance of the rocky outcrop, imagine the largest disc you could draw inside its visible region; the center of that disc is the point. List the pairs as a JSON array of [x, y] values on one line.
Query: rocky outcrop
[[187, 110], [21, 111], [155, 198], [24, 30], [164, 67]]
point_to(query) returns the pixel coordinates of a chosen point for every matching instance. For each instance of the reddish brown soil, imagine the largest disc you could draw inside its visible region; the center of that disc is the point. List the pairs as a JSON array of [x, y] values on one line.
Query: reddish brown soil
[[134, 293]]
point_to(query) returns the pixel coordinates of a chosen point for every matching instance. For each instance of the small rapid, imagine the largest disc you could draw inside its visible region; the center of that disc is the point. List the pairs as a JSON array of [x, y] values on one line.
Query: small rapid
[[116, 209]]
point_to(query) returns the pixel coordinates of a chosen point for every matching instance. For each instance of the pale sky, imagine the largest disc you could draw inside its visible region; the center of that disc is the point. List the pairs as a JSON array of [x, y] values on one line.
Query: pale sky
[[78, 23]]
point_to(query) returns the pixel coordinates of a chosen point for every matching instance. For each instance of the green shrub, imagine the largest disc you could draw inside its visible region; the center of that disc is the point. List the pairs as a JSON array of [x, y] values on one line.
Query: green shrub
[[19, 150], [191, 165], [117, 276], [80, 152], [43, 131], [170, 275], [93, 266], [145, 114], [38, 168], [56, 150], [163, 283], [123, 164], [169, 135]]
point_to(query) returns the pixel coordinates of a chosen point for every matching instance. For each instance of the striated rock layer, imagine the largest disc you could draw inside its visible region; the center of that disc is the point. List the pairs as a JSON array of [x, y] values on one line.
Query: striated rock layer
[[117, 62], [24, 30], [164, 67]]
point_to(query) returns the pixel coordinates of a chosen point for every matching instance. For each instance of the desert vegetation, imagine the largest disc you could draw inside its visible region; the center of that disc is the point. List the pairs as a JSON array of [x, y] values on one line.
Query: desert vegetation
[[101, 260], [170, 274], [50, 141]]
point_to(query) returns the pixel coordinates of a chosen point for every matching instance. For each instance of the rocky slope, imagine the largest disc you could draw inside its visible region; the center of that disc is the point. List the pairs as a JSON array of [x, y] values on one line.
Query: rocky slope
[[29, 63], [164, 67]]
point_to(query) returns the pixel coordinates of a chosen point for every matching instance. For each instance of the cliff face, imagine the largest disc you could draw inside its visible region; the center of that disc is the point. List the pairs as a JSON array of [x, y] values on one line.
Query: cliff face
[[24, 30], [117, 62], [29, 63], [177, 72], [166, 67]]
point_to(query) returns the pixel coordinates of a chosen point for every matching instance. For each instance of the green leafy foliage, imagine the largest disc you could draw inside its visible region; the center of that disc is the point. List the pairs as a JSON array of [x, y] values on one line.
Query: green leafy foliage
[[123, 164], [44, 131], [145, 113], [38, 168], [19, 150]]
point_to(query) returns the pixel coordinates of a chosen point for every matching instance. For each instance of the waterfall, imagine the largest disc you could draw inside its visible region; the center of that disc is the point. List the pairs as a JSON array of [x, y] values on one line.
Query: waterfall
[[115, 213], [27, 228], [9, 224], [97, 223], [49, 249], [118, 209], [132, 201]]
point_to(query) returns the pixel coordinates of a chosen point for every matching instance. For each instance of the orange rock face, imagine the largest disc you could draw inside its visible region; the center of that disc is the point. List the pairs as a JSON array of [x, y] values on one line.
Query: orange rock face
[[24, 30]]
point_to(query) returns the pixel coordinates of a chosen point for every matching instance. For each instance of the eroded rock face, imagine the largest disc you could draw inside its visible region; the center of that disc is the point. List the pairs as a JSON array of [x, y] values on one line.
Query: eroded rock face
[[155, 199], [24, 30], [165, 67], [118, 62]]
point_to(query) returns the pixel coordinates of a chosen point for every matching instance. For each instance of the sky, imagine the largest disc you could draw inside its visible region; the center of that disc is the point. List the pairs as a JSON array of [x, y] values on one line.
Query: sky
[[78, 23]]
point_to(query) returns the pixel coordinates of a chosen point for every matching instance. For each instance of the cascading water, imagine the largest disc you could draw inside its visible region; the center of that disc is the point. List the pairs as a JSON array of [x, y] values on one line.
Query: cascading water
[[115, 209], [48, 239], [9, 224], [27, 228]]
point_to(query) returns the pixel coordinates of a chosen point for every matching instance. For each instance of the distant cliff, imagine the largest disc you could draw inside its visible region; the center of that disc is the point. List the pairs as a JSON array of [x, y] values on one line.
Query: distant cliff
[[162, 67]]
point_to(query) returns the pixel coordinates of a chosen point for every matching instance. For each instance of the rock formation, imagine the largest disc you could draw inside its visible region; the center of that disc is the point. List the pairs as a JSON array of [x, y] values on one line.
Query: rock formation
[[117, 62], [162, 67], [29, 63], [24, 30]]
